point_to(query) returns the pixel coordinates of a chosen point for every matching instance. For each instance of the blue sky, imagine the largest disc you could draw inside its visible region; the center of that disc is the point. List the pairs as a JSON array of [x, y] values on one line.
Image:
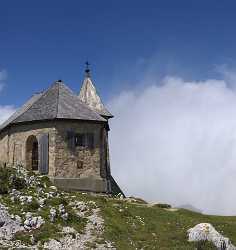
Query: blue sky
[[41, 41], [186, 124]]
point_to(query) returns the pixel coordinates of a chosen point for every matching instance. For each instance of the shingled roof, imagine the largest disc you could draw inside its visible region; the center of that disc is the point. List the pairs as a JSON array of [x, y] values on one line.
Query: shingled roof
[[58, 102]]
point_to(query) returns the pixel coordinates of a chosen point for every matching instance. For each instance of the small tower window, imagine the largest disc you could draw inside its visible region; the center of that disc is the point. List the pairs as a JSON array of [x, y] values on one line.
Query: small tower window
[[71, 139], [80, 140], [85, 140], [90, 140]]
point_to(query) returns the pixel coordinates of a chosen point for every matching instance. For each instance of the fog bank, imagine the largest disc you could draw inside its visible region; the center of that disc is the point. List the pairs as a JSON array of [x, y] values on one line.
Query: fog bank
[[175, 142]]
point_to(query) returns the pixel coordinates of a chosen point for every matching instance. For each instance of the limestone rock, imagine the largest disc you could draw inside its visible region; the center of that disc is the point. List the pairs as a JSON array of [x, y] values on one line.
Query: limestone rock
[[206, 232], [53, 214], [32, 222], [8, 225]]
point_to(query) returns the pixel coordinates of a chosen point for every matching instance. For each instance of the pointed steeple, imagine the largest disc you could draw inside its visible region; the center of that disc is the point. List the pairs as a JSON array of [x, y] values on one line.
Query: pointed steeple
[[89, 95]]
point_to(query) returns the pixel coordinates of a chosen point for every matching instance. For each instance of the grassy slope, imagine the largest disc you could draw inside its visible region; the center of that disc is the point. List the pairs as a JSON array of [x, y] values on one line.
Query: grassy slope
[[136, 226], [127, 225]]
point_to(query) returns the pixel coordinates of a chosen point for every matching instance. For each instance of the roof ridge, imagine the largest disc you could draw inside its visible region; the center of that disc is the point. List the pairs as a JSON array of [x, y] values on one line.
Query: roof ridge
[[18, 111], [74, 95], [42, 93], [58, 95]]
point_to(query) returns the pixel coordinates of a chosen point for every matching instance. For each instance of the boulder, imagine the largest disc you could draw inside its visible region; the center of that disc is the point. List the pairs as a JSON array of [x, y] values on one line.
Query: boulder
[[206, 232]]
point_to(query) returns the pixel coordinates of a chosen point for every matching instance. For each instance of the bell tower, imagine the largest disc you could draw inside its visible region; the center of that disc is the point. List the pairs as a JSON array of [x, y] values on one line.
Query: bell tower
[[88, 94]]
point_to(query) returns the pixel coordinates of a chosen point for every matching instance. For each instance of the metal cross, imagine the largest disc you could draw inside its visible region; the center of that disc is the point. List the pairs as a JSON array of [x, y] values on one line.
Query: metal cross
[[87, 65], [87, 70]]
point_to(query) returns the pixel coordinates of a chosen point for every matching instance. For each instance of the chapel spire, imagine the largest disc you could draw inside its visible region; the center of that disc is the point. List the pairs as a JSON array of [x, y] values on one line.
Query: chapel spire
[[88, 94]]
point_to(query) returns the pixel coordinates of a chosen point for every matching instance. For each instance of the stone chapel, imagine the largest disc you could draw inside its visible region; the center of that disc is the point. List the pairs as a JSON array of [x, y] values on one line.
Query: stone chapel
[[63, 135]]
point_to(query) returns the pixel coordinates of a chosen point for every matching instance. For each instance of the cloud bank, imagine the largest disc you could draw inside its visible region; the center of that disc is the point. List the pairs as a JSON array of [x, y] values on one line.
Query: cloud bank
[[5, 111], [175, 142]]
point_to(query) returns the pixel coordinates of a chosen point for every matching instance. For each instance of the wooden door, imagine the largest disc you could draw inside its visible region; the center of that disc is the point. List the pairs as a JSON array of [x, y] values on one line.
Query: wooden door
[[44, 154]]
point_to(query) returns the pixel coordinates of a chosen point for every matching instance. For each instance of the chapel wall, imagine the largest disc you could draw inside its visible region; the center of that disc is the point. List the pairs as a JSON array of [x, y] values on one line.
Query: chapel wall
[[3, 147], [18, 135], [82, 162]]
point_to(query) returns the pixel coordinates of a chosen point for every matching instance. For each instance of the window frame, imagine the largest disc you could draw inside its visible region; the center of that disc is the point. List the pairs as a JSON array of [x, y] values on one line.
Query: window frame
[[85, 140]]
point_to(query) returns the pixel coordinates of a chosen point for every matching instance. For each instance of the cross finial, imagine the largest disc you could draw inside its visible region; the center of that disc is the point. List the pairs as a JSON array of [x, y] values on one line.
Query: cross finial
[[87, 70]]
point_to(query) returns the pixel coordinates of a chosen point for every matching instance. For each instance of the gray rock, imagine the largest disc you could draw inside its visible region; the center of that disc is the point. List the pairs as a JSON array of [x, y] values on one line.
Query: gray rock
[[18, 219], [28, 215], [9, 226], [61, 209], [40, 222], [29, 199], [41, 202], [64, 216], [27, 223], [53, 214]]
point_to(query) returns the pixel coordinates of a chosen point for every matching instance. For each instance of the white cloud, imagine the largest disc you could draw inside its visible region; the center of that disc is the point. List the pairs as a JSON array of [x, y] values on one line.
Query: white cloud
[[5, 111], [176, 142]]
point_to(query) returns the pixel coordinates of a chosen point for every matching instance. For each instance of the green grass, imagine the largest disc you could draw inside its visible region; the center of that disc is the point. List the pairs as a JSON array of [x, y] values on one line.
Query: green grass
[[56, 201], [137, 226], [131, 226], [46, 232], [127, 225]]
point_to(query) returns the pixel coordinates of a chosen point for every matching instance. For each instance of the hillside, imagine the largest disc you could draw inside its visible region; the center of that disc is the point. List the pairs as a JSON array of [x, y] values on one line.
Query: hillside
[[35, 215]]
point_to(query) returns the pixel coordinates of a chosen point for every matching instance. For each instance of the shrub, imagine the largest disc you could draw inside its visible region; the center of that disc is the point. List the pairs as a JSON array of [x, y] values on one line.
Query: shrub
[[23, 237], [3, 187], [138, 200], [4, 179], [17, 183], [5, 173], [45, 181], [162, 205], [32, 206], [56, 201], [47, 231], [9, 179], [75, 221]]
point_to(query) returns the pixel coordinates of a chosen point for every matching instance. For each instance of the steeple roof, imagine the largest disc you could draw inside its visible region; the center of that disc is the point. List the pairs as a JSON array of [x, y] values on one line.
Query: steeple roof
[[88, 95], [58, 102]]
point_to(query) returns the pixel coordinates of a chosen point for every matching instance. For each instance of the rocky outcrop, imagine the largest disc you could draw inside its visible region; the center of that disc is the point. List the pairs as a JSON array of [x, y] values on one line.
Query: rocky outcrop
[[9, 224], [206, 232], [32, 205], [93, 232]]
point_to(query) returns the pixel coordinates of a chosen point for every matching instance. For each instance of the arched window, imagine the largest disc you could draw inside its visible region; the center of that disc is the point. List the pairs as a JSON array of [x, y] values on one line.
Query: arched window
[[32, 153]]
